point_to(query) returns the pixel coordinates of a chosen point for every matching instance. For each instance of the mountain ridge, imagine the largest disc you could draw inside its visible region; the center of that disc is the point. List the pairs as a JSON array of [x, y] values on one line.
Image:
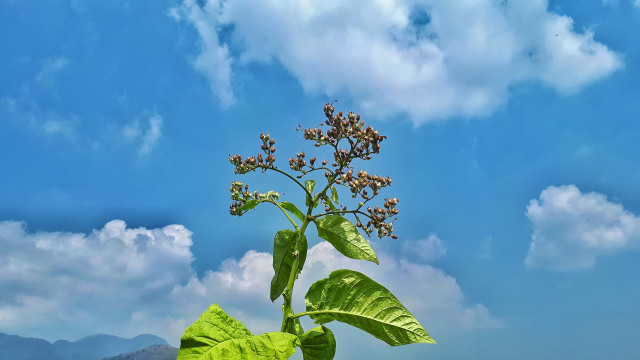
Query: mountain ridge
[[153, 352], [93, 347]]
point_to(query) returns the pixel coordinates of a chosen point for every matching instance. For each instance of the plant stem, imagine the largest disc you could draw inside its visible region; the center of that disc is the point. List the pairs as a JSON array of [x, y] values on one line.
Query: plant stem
[[287, 175], [285, 214], [288, 292], [343, 212]]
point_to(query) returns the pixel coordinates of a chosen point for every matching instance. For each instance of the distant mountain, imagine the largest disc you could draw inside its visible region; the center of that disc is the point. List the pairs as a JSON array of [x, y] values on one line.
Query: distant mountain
[[153, 352], [20, 348], [96, 347]]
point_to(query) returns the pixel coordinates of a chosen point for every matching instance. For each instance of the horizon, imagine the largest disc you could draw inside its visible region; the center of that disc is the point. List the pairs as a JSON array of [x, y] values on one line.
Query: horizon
[[81, 338]]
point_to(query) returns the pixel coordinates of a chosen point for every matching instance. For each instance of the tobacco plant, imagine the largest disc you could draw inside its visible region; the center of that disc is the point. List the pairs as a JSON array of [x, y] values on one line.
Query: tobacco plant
[[346, 295]]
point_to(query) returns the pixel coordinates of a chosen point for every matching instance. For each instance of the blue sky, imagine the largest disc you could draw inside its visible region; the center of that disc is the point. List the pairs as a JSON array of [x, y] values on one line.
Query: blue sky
[[512, 141]]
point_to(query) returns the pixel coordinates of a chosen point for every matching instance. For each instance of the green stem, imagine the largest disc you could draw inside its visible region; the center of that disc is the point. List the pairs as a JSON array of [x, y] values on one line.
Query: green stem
[[343, 212], [288, 292], [285, 213], [287, 175], [305, 313], [330, 181]]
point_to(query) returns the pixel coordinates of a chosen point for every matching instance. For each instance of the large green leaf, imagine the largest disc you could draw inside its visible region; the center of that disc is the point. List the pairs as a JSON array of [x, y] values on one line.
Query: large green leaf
[[218, 336], [293, 209], [318, 344], [351, 297], [212, 328], [269, 346], [344, 236], [283, 247]]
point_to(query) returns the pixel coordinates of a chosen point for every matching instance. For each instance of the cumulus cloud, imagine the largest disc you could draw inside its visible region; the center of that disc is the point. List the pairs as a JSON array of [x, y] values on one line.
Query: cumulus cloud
[[429, 60], [572, 229], [431, 295], [428, 249], [128, 281], [70, 285], [145, 138]]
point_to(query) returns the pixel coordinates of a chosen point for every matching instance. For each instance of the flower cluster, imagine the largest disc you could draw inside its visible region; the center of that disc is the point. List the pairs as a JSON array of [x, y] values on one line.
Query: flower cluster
[[358, 183], [362, 141], [253, 162], [299, 162], [349, 139], [240, 195], [378, 219]]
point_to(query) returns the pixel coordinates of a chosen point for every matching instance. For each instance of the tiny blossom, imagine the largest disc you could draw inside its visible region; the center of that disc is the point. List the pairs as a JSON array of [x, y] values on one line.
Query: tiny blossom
[[241, 195], [363, 141], [252, 163]]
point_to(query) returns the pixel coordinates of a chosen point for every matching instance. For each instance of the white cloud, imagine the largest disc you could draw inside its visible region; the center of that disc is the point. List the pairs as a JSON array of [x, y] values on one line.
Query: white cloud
[[128, 281], [428, 249], [429, 60], [485, 251], [431, 295], [572, 229], [214, 60], [428, 292], [615, 3], [47, 123], [146, 139], [29, 113], [52, 66], [69, 126], [70, 285]]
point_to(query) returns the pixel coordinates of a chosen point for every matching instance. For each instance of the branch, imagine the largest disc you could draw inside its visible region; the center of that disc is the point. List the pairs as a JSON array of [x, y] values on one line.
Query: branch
[[343, 212], [284, 212], [287, 175]]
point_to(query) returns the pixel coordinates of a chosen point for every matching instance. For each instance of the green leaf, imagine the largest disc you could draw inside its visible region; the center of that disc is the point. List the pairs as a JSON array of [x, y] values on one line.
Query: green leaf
[[294, 327], [344, 236], [309, 185], [269, 346], [334, 195], [283, 247], [249, 205], [218, 336], [353, 298], [318, 344], [331, 206], [212, 328], [292, 208]]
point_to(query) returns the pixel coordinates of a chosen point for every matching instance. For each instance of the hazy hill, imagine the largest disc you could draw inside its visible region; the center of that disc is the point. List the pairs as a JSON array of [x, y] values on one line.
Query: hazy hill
[[20, 348], [153, 352], [96, 347]]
